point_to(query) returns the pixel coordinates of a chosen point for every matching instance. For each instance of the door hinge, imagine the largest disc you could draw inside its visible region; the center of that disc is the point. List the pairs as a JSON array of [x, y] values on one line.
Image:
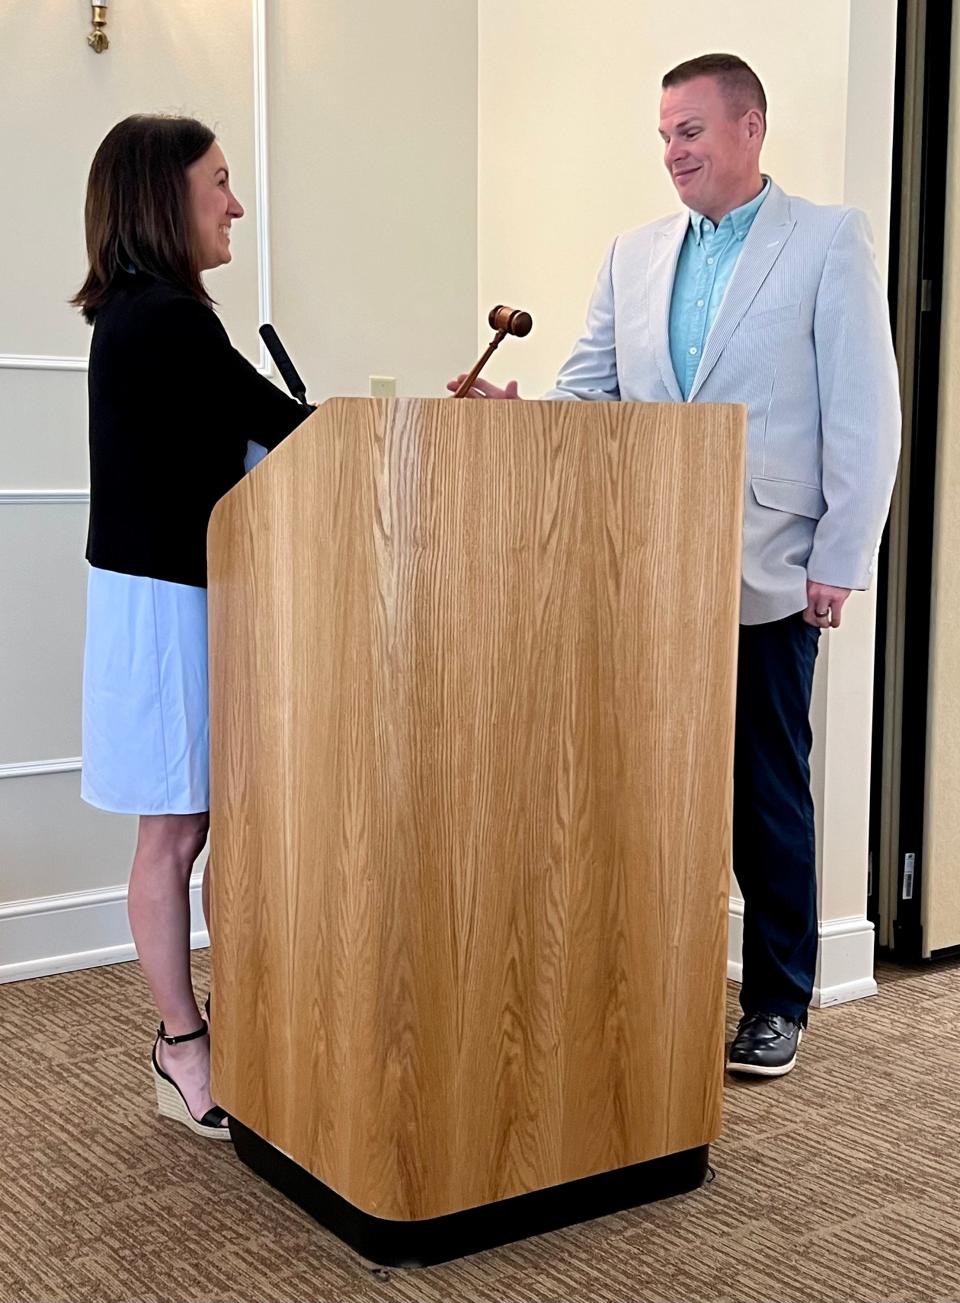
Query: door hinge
[[909, 868]]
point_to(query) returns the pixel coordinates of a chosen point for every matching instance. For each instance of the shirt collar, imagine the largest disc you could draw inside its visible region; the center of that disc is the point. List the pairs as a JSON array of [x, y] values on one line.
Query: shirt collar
[[741, 219]]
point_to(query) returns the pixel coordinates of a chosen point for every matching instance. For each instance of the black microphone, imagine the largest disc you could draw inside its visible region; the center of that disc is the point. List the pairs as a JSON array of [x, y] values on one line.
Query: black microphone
[[286, 368]]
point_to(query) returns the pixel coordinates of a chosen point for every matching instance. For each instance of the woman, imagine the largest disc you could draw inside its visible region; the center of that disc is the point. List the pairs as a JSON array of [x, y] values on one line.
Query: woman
[[172, 406]]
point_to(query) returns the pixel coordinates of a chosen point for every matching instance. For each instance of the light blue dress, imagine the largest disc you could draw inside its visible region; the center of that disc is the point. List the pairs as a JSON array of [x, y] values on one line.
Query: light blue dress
[[146, 732]]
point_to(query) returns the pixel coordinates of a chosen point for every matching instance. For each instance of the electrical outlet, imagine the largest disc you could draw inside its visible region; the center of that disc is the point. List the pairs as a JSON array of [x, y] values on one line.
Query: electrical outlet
[[383, 387]]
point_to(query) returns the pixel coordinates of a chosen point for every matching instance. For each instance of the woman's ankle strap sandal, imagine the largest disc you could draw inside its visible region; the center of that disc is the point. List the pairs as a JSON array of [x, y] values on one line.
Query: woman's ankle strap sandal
[[179, 1040], [170, 1100]]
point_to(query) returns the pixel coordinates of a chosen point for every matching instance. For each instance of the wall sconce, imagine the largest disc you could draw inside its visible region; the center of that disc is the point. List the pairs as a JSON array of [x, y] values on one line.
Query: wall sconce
[[98, 39]]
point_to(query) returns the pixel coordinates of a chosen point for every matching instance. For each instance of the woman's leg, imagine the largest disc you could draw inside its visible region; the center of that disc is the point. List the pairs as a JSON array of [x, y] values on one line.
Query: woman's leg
[[158, 904], [205, 896], [205, 901]]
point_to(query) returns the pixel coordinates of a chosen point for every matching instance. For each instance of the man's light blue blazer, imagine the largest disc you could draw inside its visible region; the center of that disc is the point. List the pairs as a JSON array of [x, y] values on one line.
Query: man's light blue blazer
[[803, 339]]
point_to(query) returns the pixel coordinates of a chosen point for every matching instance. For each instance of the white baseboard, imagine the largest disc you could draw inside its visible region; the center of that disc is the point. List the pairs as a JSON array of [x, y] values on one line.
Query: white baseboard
[[58, 934], [844, 958]]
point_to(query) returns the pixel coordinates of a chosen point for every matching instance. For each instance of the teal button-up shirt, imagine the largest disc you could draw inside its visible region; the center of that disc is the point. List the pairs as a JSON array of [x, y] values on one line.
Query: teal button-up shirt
[[707, 259]]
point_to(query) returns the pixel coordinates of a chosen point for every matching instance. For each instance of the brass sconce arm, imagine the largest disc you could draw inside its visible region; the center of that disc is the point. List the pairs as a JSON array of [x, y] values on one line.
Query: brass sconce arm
[[98, 39]]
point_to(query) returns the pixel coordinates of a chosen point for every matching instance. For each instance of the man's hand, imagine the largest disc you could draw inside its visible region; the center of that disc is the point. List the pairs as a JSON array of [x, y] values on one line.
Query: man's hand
[[483, 388], [824, 604]]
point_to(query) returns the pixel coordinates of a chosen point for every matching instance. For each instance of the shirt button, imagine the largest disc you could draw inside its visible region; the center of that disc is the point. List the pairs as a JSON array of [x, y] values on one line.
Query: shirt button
[[709, 262], [699, 303], [693, 352]]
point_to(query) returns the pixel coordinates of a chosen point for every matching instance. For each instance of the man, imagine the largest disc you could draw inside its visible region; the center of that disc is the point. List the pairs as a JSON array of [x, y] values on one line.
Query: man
[[753, 296]]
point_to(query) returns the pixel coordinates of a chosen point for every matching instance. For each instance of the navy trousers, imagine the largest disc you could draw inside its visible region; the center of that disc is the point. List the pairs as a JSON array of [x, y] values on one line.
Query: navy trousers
[[774, 848]]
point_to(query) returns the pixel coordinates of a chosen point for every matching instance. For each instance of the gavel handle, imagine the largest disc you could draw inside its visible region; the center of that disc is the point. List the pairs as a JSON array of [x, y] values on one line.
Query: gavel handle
[[467, 383]]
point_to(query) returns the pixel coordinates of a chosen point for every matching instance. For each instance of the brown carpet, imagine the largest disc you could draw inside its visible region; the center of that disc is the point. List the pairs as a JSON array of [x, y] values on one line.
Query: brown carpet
[[840, 1182]]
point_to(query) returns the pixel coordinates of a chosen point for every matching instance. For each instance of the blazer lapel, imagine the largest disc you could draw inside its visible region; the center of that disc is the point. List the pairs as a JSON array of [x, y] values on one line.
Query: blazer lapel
[[664, 254], [770, 231]]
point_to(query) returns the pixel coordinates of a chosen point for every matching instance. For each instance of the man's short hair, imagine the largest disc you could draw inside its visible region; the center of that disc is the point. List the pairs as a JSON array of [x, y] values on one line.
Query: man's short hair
[[738, 82]]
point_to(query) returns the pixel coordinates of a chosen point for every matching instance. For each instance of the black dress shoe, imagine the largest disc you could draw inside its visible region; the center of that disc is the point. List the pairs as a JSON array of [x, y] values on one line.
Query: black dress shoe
[[765, 1045]]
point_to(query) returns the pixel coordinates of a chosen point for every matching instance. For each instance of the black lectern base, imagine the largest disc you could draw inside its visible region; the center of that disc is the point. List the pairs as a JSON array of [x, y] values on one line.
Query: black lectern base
[[438, 1239]]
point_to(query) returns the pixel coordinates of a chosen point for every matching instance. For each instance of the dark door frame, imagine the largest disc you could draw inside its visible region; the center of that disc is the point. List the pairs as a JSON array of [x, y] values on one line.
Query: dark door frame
[[898, 780]]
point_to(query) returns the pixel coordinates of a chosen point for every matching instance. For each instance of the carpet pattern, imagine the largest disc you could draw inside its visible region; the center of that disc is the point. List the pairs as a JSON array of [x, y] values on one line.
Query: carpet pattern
[[839, 1182]]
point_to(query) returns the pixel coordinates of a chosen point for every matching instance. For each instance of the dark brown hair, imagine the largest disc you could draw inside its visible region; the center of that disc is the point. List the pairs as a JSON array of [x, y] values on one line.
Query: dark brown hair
[[739, 83], [137, 210]]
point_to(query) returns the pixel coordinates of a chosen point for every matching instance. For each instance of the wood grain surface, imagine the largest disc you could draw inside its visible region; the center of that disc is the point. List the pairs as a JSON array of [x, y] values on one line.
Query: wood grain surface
[[472, 701]]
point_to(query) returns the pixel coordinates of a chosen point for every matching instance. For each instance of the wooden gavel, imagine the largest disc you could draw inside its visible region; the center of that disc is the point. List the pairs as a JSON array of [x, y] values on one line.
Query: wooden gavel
[[505, 321]]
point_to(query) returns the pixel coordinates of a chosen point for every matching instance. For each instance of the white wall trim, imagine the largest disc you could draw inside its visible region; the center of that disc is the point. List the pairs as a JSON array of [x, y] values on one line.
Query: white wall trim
[[260, 173], [845, 961], [41, 362], [41, 497], [844, 958], [34, 768], [87, 929], [59, 934]]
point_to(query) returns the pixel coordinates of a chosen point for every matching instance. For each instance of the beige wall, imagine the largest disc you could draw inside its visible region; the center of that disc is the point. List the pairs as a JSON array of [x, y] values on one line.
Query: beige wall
[[373, 142], [569, 155], [59, 99], [421, 163], [368, 166], [569, 151]]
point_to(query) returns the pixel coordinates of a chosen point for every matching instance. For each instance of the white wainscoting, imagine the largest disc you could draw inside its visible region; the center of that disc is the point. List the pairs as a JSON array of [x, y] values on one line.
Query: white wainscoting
[[41, 362], [41, 497], [35, 768], [60, 934]]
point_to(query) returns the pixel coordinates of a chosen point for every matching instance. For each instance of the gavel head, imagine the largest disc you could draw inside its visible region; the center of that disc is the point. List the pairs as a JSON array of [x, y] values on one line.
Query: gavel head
[[512, 320]]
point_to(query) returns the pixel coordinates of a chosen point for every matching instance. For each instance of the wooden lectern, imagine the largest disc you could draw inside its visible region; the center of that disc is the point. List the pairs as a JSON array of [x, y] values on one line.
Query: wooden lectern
[[473, 672]]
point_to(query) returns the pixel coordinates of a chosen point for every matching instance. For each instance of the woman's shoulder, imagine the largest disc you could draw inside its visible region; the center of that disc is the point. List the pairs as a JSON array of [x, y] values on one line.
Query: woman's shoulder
[[148, 310], [144, 296]]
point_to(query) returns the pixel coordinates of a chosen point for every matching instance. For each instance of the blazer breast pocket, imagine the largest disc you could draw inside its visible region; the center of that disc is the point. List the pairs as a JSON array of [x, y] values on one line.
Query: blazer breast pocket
[[768, 318], [789, 495]]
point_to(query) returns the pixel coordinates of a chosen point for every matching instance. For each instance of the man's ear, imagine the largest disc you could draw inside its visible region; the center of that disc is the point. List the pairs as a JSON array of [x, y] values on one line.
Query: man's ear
[[756, 126]]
